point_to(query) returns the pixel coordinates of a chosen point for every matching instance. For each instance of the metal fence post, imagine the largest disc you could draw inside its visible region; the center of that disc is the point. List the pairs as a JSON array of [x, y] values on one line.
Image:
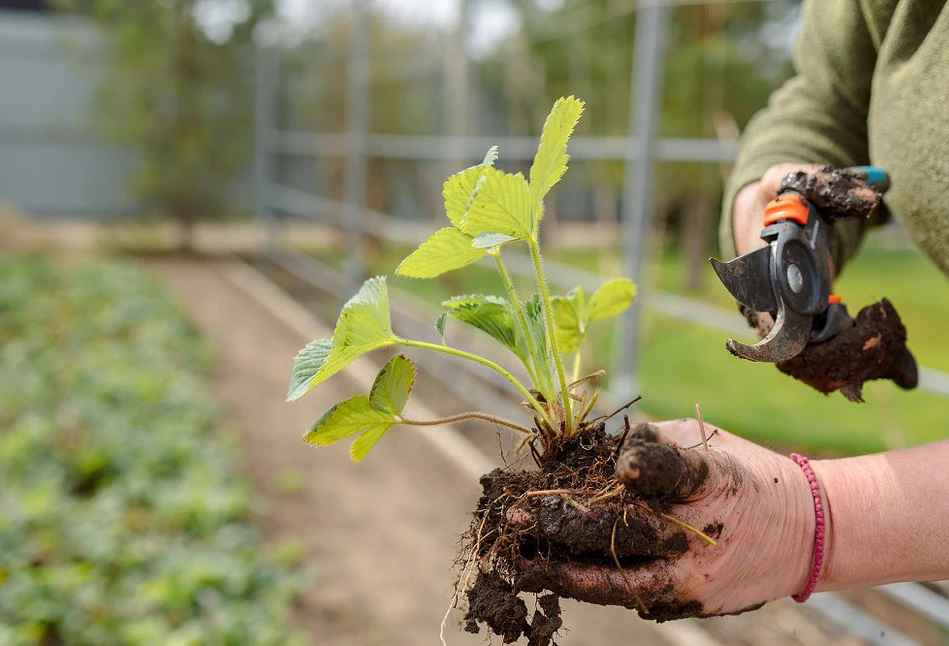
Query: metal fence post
[[652, 21], [265, 124], [357, 124], [455, 88]]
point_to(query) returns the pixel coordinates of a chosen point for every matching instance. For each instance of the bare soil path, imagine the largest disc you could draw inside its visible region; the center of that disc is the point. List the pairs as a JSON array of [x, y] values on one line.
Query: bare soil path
[[380, 536]]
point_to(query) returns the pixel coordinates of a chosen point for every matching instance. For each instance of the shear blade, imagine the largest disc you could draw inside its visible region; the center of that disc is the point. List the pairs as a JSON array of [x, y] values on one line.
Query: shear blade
[[748, 279], [785, 341]]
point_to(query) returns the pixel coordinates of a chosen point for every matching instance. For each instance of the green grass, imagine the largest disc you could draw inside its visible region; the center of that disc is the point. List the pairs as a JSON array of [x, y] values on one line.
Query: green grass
[[684, 364]]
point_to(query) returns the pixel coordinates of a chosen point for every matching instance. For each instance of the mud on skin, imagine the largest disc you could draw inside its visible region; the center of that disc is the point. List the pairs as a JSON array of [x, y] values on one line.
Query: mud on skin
[[562, 529]]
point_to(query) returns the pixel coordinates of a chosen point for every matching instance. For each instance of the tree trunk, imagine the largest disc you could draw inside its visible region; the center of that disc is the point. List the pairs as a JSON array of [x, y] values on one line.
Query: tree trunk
[[697, 226], [187, 222], [606, 214]]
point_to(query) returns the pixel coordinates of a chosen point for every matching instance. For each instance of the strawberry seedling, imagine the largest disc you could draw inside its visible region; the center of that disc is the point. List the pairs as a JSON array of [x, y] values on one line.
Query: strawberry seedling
[[490, 211]]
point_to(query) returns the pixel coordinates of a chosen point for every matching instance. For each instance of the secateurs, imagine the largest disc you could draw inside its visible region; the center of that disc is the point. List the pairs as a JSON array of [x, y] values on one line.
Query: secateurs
[[791, 277]]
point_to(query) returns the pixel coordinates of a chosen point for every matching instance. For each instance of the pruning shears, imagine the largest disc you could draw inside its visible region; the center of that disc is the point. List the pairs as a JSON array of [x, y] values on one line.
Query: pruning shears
[[791, 277]]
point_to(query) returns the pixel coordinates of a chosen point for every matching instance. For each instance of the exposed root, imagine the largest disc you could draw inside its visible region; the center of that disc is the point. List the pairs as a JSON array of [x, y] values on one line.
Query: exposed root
[[605, 418], [589, 377], [622, 439], [574, 510], [705, 443], [698, 415], [680, 523]]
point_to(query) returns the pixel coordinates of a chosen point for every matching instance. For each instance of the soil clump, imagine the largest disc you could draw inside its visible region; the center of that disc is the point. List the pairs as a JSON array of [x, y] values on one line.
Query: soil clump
[[873, 348], [573, 509]]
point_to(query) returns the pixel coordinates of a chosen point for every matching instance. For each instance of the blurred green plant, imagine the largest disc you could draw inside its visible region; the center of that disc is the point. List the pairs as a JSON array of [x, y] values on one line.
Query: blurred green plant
[[179, 98], [123, 519], [721, 63]]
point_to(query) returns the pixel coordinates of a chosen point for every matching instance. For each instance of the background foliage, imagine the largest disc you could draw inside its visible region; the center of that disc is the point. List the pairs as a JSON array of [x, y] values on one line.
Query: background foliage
[[123, 519], [180, 96]]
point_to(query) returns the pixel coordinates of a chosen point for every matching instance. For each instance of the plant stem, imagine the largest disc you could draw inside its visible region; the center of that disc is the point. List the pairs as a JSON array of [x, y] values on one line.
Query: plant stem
[[576, 366], [472, 415], [548, 315], [484, 362], [538, 370]]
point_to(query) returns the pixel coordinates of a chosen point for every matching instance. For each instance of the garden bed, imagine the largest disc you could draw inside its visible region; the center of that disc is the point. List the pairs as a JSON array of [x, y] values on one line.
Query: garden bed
[[123, 515]]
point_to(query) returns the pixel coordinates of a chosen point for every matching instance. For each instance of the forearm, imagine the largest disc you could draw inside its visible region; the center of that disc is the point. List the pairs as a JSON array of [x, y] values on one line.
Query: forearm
[[818, 117], [888, 517]]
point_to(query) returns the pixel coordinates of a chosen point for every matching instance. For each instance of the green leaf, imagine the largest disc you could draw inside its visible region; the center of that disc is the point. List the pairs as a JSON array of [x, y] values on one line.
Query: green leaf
[[573, 313], [440, 325], [501, 205], [550, 163], [492, 315], [306, 364], [354, 415], [611, 298], [490, 157], [364, 325], [390, 391], [371, 416], [459, 190], [365, 442], [448, 249], [569, 319], [491, 240], [537, 329]]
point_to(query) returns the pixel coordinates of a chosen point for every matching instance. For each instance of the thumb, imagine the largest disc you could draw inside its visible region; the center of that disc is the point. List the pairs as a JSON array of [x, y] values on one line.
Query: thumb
[[654, 468]]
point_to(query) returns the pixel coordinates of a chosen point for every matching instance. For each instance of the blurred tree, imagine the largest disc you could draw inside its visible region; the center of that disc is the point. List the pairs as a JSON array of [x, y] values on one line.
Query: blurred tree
[[26, 5], [178, 91], [406, 93], [721, 65]]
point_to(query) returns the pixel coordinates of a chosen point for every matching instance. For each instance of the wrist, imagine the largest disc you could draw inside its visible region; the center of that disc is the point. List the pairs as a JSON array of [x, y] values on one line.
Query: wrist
[[860, 523], [783, 530], [889, 516], [802, 527], [848, 519], [747, 219]]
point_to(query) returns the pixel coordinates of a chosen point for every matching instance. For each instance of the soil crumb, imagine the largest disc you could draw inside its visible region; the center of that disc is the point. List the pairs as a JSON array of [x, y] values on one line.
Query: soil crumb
[[836, 192], [546, 621], [494, 602], [874, 348]]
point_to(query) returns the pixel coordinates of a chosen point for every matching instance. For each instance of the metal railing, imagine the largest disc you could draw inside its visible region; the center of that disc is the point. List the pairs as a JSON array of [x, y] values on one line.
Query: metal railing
[[638, 151], [480, 387]]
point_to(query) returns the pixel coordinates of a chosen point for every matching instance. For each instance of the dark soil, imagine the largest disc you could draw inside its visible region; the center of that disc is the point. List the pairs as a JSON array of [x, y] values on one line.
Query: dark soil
[[874, 348], [493, 601], [837, 193], [578, 513]]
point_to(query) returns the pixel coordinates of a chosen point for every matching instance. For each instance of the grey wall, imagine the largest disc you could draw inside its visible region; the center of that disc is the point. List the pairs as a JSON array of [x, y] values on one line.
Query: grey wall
[[51, 161]]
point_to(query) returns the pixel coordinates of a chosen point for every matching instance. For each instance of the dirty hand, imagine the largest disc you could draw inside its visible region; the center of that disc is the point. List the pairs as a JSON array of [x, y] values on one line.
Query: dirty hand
[[856, 355], [756, 503], [837, 193]]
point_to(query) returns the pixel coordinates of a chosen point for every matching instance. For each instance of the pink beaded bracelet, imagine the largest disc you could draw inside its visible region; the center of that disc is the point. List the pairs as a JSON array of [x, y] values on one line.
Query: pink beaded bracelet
[[818, 531]]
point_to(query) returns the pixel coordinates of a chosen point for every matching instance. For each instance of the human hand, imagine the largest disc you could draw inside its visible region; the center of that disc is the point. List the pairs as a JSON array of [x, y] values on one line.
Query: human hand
[[856, 354], [756, 503], [835, 192], [748, 208]]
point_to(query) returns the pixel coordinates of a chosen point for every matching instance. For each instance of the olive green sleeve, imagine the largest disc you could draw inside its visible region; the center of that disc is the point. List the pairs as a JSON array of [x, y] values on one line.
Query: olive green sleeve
[[817, 116]]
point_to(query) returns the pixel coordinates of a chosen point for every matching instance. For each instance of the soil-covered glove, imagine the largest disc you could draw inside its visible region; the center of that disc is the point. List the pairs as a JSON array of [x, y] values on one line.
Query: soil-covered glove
[[875, 347], [754, 502]]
